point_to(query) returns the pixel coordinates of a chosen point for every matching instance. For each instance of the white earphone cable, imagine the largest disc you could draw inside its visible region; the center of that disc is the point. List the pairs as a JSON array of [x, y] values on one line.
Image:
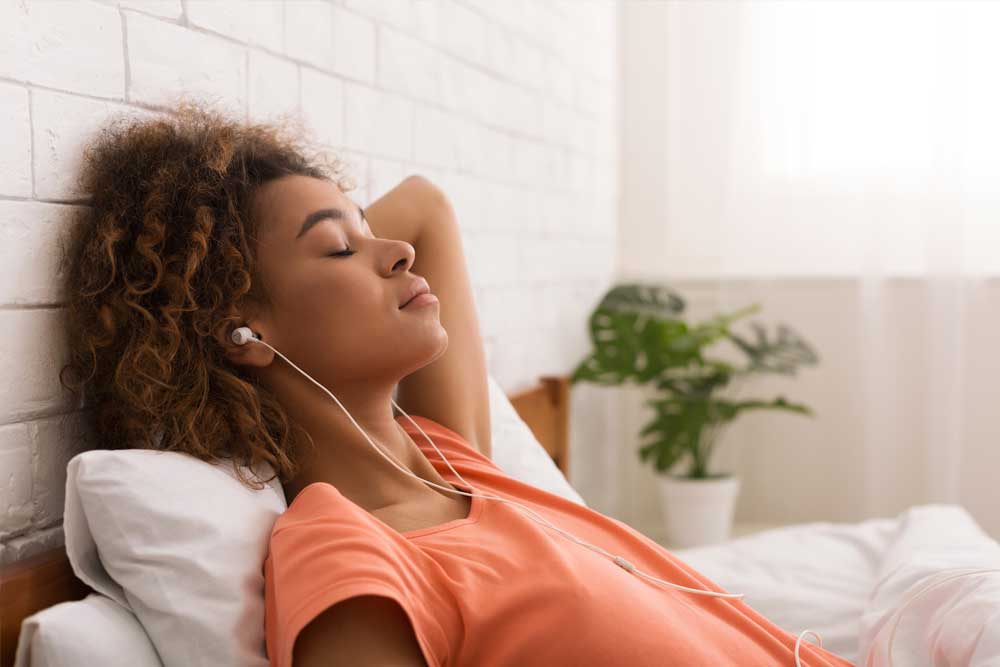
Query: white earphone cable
[[243, 335]]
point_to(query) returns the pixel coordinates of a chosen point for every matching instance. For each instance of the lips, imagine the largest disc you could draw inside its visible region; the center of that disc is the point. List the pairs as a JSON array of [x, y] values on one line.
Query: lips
[[417, 287]]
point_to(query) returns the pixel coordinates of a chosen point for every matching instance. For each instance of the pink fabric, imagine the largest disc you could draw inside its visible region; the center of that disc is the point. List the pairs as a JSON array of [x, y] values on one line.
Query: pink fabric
[[498, 589]]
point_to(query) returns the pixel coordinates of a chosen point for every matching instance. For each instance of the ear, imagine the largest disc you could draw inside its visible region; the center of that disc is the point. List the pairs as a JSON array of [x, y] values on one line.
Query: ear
[[250, 353]]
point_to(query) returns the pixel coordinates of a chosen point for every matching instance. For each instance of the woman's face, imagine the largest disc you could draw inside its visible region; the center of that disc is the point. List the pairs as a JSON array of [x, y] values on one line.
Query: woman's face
[[337, 314]]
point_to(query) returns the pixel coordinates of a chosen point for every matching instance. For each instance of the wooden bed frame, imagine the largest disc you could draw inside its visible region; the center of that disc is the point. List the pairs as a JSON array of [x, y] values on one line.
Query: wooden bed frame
[[46, 579]]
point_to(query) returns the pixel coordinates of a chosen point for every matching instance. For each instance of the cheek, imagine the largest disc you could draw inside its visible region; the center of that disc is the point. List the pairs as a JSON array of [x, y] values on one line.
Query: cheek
[[347, 302], [350, 307], [315, 287]]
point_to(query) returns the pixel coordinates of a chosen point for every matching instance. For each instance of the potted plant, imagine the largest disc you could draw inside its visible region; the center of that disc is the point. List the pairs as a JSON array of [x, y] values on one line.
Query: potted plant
[[639, 337]]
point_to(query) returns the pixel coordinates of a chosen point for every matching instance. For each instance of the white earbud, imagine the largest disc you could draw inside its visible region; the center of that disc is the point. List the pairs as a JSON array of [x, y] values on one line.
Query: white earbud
[[243, 335]]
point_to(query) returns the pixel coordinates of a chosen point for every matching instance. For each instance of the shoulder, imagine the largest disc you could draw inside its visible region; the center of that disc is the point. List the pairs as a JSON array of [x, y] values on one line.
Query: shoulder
[[321, 523], [311, 500]]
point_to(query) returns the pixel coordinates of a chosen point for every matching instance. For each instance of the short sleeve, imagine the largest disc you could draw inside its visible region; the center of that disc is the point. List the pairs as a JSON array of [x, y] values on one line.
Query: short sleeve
[[324, 550]]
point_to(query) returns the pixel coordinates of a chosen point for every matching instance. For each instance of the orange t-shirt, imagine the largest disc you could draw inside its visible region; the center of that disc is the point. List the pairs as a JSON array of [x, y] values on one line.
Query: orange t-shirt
[[498, 589]]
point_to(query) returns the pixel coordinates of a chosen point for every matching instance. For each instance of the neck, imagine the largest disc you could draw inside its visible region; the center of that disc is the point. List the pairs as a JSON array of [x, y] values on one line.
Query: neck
[[342, 455]]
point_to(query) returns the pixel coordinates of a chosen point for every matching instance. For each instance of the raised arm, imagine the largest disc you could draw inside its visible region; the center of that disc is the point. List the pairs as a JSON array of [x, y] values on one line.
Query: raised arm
[[453, 389]]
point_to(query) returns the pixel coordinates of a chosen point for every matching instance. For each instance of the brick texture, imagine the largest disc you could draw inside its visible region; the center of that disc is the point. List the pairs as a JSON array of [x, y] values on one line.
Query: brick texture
[[510, 107]]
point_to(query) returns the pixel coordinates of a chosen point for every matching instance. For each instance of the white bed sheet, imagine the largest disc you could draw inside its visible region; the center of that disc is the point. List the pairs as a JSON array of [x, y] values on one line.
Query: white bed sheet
[[813, 575], [951, 621], [845, 580]]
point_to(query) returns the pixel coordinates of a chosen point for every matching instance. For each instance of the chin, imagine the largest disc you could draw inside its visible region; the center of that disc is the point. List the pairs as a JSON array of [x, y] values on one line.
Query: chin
[[437, 349], [425, 350]]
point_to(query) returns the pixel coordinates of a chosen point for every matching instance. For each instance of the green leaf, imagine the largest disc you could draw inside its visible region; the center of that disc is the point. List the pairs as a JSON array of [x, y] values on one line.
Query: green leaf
[[633, 346], [655, 300], [592, 370], [777, 404], [781, 354]]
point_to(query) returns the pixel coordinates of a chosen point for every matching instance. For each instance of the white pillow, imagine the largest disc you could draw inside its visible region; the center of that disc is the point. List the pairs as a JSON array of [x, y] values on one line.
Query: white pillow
[[93, 631], [180, 543], [518, 453]]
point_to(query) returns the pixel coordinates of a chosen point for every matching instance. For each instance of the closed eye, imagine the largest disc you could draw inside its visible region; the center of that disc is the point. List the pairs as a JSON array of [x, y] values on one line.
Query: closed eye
[[342, 253]]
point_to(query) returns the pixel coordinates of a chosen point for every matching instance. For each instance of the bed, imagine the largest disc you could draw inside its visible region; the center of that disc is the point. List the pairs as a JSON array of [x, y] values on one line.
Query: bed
[[850, 583]]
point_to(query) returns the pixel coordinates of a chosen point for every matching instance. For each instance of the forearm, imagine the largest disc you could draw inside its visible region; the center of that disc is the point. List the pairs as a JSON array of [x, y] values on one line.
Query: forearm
[[404, 211]]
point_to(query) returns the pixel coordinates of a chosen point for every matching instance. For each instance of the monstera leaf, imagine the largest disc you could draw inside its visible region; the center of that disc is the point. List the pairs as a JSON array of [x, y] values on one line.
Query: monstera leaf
[[634, 346], [635, 335], [655, 300], [780, 355]]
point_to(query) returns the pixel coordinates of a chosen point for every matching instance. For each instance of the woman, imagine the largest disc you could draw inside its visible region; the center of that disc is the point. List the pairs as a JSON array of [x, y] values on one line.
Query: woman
[[200, 225]]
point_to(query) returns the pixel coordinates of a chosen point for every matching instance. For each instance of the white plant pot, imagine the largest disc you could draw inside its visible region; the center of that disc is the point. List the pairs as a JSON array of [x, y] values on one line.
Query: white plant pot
[[698, 512]]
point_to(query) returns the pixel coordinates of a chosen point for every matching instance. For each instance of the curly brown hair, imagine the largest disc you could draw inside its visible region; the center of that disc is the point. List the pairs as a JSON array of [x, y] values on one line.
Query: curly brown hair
[[163, 256]]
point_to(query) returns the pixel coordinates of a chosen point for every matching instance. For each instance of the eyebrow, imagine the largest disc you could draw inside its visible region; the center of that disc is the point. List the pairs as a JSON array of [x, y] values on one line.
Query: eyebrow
[[322, 214]]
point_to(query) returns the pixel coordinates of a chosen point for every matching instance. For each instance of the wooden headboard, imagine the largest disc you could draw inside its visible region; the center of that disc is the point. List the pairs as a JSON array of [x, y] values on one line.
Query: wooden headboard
[[46, 579]]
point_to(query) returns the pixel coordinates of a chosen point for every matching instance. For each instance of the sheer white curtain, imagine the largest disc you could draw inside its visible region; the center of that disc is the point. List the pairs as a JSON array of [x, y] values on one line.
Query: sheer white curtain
[[856, 141]]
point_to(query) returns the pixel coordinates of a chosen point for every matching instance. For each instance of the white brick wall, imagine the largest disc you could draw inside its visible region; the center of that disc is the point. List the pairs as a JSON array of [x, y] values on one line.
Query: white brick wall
[[509, 105]]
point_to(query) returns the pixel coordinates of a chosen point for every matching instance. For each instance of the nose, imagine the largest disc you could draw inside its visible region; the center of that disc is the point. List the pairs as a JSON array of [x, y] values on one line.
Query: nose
[[401, 257]]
